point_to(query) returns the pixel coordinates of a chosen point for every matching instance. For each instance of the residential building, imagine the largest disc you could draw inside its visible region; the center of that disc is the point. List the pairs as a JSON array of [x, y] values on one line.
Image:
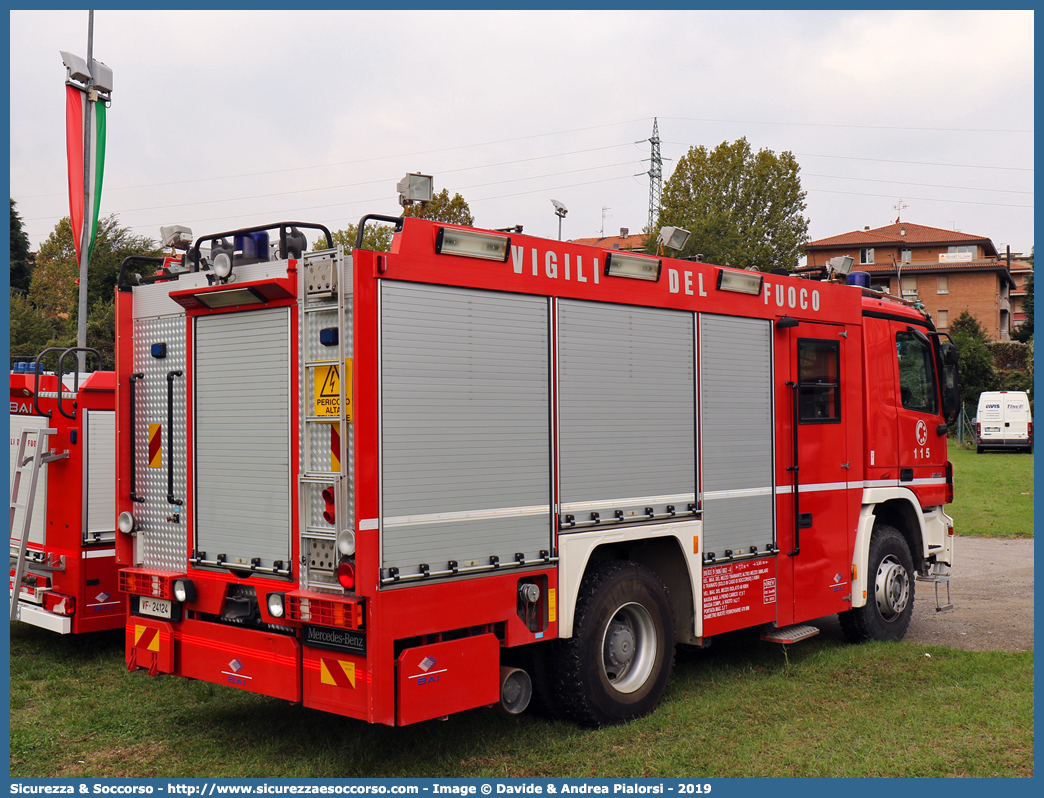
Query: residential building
[[625, 241], [1020, 270], [948, 271]]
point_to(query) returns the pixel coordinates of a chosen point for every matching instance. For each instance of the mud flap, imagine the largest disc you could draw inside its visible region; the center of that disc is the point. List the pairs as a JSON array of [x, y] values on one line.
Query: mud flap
[[150, 644]]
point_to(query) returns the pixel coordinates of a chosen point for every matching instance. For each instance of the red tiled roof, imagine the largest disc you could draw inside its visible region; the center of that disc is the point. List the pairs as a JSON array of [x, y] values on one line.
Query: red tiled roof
[[892, 234], [931, 266], [636, 241]]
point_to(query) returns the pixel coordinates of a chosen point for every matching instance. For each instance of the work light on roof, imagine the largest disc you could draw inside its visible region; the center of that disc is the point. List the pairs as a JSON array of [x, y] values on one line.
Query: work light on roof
[[740, 282], [176, 236], [634, 267], [842, 264], [471, 244], [414, 188], [672, 238]]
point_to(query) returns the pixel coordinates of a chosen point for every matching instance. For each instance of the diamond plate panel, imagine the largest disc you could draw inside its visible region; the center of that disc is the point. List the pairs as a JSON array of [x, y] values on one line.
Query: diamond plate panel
[[165, 542]]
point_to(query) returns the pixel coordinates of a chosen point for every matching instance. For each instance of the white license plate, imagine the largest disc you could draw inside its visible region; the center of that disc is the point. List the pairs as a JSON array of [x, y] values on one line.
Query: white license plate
[[160, 608]]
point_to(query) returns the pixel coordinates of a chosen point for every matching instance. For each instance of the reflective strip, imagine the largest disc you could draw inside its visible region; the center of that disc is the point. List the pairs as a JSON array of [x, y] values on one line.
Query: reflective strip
[[90, 555], [628, 502], [465, 515], [742, 493], [895, 483], [368, 523], [820, 487]]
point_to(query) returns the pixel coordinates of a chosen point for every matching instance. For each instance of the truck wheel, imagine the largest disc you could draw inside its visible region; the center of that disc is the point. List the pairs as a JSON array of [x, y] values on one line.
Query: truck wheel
[[890, 591], [617, 664], [978, 450]]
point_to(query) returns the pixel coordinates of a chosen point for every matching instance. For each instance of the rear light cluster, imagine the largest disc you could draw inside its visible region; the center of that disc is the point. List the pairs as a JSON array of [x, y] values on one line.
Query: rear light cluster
[[949, 486], [59, 604], [978, 432], [1029, 431], [33, 585], [143, 582], [324, 611]]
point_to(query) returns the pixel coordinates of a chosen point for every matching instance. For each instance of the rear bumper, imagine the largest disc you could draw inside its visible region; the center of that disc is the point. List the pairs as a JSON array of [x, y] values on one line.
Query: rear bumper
[[38, 616], [247, 659], [1005, 443]]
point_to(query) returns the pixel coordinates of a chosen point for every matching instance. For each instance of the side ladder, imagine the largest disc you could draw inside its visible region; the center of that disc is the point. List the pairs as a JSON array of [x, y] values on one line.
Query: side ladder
[[324, 475], [37, 461]]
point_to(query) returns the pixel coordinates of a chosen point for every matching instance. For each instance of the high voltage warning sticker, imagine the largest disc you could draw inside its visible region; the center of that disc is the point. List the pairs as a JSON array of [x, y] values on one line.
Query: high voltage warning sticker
[[328, 390]]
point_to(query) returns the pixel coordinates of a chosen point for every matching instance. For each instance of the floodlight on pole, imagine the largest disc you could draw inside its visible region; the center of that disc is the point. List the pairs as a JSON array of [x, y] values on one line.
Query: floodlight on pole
[[560, 212], [672, 238], [413, 188]]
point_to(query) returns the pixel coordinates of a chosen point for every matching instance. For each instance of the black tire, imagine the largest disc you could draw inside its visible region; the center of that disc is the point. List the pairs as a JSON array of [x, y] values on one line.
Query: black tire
[[618, 662], [890, 591], [978, 450]]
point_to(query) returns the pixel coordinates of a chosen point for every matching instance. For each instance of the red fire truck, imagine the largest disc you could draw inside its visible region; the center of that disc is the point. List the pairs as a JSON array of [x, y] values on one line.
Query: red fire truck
[[399, 485], [63, 518]]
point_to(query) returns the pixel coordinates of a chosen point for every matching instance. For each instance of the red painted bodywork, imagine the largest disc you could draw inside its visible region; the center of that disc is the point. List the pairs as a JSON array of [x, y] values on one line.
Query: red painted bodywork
[[466, 621], [90, 569]]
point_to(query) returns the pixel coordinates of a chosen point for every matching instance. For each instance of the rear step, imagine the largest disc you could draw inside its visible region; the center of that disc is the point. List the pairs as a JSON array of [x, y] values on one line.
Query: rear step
[[789, 634], [939, 574]]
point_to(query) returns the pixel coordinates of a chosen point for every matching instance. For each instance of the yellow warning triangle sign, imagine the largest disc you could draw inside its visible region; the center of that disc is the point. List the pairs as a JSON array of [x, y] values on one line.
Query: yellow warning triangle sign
[[331, 388]]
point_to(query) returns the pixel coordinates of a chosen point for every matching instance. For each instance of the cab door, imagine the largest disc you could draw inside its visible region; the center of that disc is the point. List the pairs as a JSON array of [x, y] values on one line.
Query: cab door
[[820, 556], [922, 433]]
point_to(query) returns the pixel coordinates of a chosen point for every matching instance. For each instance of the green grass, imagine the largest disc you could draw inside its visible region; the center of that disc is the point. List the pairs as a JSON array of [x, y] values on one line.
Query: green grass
[[742, 708], [993, 493]]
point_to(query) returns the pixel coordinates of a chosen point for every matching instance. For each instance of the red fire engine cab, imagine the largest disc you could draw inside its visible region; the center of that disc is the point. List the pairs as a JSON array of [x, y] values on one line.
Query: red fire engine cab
[[63, 519], [398, 485]]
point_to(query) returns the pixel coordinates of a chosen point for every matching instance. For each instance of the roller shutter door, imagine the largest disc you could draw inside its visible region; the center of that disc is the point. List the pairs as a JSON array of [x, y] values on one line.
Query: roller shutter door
[[627, 425], [465, 428], [735, 375], [242, 436], [99, 475]]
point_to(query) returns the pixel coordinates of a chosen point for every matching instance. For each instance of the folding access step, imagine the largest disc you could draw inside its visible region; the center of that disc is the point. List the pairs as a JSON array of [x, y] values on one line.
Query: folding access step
[[940, 574], [789, 634]]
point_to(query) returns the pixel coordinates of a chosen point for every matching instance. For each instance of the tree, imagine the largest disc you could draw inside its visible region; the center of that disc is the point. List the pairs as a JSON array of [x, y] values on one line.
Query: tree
[[967, 324], [21, 258], [31, 332], [976, 367], [443, 209], [48, 316], [742, 209], [376, 237]]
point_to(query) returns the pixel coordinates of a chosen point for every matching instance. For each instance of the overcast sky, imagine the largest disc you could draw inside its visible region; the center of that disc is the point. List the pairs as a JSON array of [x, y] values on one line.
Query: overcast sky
[[226, 119]]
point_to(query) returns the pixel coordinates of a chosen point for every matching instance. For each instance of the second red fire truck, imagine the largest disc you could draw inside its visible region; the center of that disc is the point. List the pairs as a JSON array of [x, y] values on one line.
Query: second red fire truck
[[394, 486], [63, 522]]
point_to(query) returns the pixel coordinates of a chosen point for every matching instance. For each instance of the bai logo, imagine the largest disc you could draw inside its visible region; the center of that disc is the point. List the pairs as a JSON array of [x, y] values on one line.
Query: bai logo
[[427, 675], [234, 675]]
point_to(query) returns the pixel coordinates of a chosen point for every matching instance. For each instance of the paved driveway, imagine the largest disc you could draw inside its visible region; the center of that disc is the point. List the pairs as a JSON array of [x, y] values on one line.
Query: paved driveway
[[992, 592]]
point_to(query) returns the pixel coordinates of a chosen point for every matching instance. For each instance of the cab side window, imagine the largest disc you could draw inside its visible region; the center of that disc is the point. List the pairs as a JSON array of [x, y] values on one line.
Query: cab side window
[[819, 381], [916, 374]]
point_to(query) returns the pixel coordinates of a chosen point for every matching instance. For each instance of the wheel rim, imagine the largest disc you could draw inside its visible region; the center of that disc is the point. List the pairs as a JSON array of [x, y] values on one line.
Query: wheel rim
[[892, 588], [629, 647]]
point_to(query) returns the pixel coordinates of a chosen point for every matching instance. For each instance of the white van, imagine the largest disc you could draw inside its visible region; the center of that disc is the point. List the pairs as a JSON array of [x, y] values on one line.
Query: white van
[[1004, 421]]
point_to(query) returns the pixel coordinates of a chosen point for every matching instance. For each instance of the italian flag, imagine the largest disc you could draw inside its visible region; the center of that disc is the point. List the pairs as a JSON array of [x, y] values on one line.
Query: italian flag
[[78, 112]]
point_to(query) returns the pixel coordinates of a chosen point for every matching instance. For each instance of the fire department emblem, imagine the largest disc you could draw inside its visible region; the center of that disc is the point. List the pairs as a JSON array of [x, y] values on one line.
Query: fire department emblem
[[922, 433]]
